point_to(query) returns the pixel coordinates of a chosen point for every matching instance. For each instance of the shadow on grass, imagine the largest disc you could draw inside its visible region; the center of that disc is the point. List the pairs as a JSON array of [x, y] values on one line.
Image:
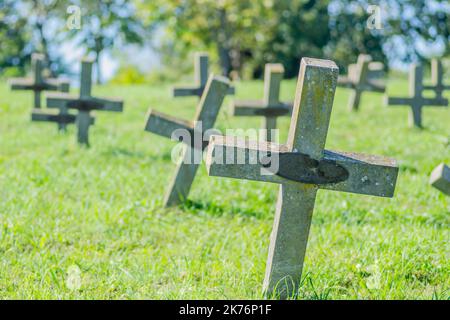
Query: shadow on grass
[[120, 152], [217, 210]]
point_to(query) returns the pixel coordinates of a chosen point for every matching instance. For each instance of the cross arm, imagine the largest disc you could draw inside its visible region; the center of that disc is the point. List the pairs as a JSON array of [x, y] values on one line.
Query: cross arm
[[345, 82], [375, 86], [45, 116], [187, 91], [59, 100], [235, 157], [164, 125], [259, 108], [102, 104]]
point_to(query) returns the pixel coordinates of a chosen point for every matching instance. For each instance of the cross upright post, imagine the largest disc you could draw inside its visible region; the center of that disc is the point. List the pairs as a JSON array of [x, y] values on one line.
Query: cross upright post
[[440, 178], [301, 166], [37, 82], [201, 73], [416, 101], [194, 136], [84, 103], [270, 107], [359, 80], [437, 78]]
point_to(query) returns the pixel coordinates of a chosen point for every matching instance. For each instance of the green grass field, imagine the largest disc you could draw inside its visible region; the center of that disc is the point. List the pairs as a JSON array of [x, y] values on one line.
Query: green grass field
[[64, 207]]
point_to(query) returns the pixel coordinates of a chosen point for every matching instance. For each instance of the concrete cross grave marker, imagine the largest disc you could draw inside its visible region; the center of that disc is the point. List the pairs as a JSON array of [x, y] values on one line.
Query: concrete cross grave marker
[[360, 80], [38, 83], [302, 167], [416, 100], [62, 118], [440, 178], [437, 77], [84, 103], [270, 107], [201, 78], [193, 134]]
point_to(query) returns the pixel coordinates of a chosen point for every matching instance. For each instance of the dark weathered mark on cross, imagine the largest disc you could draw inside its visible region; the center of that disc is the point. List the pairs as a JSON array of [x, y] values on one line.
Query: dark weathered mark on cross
[[440, 178], [355, 173], [359, 80], [270, 107], [201, 78], [84, 103], [416, 100], [207, 112], [38, 83]]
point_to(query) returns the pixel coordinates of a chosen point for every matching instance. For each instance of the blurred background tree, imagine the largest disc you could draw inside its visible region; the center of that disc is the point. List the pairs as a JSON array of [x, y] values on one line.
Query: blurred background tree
[[107, 24], [241, 35]]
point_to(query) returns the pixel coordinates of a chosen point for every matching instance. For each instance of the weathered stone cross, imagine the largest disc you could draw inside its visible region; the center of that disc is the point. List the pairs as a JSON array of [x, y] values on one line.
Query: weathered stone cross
[[62, 118], [437, 77], [38, 83], [440, 178], [301, 166], [360, 80], [201, 77], [194, 135], [270, 107], [84, 103], [416, 100]]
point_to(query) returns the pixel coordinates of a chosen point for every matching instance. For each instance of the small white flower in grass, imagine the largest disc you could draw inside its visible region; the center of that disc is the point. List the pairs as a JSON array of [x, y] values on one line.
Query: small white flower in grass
[[73, 280], [374, 281]]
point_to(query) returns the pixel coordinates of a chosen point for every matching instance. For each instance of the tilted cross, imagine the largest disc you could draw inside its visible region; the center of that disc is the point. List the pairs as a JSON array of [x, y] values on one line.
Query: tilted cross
[[201, 77], [437, 77], [38, 83], [84, 103], [359, 80], [301, 166], [196, 140], [440, 178], [416, 100], [270, 107]]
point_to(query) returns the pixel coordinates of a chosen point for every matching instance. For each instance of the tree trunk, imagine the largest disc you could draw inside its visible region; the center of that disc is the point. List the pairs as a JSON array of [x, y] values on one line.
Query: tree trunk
[[98, 51], [223, 44]]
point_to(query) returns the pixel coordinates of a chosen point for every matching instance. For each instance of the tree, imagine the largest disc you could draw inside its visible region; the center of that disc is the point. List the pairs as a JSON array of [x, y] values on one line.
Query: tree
[[106, 24], [13, 41]]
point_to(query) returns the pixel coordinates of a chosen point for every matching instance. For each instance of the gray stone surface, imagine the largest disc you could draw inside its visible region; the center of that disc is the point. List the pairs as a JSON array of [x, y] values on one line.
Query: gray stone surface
[[201, 73], [371, 175], [440, 178], [270, 107], [416, 101], [84, 103], [360, 79], [437, 79], [38, 83], [207, 112]]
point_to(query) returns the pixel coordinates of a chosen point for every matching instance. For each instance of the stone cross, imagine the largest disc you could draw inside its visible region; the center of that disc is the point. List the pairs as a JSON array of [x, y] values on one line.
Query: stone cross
[[375, 70], [38, 83], [270, 107], [437, 77], [302, 167], [84, 103], [196, 140], [440, 178], [416, 100], [62, 118], [201, 77], [360, 80]]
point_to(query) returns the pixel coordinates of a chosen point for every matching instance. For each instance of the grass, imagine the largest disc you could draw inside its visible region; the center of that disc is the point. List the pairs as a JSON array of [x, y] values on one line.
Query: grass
[[98, 211]]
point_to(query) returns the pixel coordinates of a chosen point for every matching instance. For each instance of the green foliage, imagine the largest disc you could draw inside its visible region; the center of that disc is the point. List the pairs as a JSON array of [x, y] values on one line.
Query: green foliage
[[99, 209], [13, 39], [128, 75]]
